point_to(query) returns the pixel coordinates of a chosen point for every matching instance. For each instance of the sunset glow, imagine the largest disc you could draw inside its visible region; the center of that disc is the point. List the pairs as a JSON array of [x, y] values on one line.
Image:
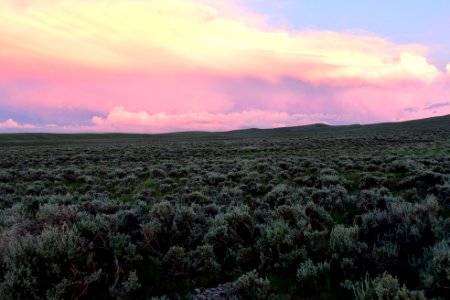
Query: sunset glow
[[175, 65]]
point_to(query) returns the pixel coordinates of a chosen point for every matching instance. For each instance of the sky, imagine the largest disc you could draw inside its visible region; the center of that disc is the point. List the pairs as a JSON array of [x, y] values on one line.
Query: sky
[[156, 66]]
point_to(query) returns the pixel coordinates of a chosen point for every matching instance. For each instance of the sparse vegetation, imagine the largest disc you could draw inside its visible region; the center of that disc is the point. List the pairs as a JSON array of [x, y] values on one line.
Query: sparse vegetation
[[317, 213]]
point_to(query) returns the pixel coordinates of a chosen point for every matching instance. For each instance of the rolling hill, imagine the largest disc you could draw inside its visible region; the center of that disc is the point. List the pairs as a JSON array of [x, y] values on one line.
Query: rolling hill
[[428, 125]]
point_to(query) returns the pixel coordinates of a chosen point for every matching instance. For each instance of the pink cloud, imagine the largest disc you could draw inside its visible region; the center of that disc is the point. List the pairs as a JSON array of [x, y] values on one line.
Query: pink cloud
[[194, 96], [11, 124], [118, 119]]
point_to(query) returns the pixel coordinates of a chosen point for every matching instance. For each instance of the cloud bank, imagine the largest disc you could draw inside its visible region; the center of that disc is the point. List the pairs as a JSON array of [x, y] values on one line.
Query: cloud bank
[[11, 124], [168, 65], [121, 120]]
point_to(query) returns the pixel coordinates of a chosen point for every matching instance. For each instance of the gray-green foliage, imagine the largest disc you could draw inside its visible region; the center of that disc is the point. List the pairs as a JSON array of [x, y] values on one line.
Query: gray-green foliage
[[250, 286], [136, 217], [34, 263], [310, 273], [386, 287], [436, 274], [343, 238]]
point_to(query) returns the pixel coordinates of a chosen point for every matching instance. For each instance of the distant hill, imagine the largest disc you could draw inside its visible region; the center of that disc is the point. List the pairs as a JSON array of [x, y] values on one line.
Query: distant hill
[[438, 124]]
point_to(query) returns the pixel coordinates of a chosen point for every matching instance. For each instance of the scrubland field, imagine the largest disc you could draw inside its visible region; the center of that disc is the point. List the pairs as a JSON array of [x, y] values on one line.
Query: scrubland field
[[313, 212]]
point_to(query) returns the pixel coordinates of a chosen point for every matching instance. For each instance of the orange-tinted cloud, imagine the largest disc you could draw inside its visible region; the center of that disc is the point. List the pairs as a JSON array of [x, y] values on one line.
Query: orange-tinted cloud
[[178, 36]]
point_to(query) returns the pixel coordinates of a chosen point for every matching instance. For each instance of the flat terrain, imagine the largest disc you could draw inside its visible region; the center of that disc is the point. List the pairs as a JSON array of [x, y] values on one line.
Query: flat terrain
[[311, 212]]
